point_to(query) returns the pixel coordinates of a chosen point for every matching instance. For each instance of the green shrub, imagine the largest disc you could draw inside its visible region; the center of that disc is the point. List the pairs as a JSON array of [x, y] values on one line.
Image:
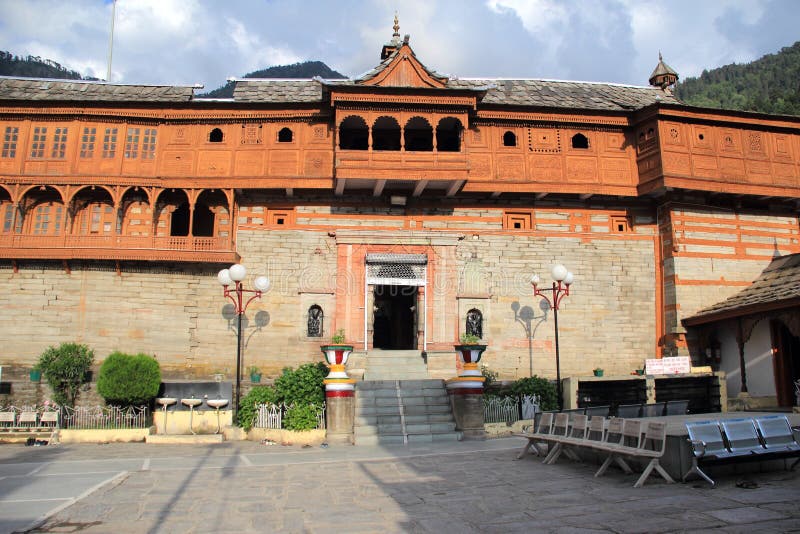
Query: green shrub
[[534, 385], [301, 417], [129, 380], [66, 368], [302, 385], [247, 407]]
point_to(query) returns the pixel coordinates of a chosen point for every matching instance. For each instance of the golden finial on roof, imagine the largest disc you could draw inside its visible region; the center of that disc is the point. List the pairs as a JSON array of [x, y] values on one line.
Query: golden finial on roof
[[396, 26]]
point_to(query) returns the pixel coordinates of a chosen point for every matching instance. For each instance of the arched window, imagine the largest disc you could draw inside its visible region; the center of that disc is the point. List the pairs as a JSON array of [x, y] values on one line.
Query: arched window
[[353, 134], [386, 134], [285, 135], [580, 141], [474, 326], [418, 135], [315, 326], [448, 135], [509, 139], [215, 136]]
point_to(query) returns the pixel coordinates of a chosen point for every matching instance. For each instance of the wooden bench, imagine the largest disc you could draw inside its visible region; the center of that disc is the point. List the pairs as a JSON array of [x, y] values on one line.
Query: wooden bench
[[740, 440], [541, 435]]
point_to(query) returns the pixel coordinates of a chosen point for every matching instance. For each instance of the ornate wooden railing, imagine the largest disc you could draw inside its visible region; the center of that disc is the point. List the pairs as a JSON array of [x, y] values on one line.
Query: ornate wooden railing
[[170, 248]]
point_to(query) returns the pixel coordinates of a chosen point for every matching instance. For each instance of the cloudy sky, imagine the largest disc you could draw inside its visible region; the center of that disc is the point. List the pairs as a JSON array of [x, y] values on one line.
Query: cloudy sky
[[206, 41]]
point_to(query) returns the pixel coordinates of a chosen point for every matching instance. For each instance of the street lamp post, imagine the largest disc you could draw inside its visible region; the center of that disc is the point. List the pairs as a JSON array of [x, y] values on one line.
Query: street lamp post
[[562, 279], [234, 275]]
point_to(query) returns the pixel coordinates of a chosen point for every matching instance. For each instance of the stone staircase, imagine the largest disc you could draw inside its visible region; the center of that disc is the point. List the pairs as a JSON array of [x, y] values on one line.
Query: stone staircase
[[395, 365], [403, 411]]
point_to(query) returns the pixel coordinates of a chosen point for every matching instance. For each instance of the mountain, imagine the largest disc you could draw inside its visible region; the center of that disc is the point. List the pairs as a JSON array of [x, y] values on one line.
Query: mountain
[[769, 85], [306, 69], [34, 67]]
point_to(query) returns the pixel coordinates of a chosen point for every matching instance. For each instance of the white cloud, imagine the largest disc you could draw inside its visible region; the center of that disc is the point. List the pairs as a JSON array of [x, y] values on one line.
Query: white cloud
[[188, 41]]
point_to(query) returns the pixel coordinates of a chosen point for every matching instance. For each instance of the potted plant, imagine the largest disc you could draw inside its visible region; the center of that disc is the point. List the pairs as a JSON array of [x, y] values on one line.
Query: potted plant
[[336, 354], [35, 374], [598, 371], [255, 374]]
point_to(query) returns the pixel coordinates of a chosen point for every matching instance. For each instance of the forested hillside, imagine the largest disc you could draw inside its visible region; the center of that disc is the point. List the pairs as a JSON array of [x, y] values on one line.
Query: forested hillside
[[34, 67], [306, 69], [770, 85]]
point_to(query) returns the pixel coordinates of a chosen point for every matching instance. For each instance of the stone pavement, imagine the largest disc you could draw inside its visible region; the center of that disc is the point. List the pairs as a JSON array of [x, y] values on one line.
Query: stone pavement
[[461, 487]]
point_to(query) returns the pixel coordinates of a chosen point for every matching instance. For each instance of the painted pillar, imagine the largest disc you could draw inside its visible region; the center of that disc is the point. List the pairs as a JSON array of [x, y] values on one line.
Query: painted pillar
[[339, 395], [466, 393]]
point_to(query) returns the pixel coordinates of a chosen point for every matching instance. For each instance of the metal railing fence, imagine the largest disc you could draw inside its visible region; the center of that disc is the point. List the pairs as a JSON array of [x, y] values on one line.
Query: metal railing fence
[[509, 409], [271, 416]]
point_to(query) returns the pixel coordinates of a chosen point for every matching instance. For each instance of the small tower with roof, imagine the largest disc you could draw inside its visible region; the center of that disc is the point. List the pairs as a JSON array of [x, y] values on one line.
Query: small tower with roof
[[663, 76]]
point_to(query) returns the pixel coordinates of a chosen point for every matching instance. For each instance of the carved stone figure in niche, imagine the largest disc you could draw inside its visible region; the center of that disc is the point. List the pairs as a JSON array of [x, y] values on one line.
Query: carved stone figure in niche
[[315, 321], [474, 324]]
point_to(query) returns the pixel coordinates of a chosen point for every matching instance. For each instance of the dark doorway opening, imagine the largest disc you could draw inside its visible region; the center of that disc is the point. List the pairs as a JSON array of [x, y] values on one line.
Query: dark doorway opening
[[179, 224], [395, 318], [786, 363], [203, 221]]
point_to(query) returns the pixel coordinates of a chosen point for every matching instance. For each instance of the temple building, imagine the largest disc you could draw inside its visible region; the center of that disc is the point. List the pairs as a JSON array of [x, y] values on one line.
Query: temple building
[[404, 207]]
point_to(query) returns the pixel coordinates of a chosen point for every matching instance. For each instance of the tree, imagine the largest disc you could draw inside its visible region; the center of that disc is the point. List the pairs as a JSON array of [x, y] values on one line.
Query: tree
[[66, 369], [129, 380]]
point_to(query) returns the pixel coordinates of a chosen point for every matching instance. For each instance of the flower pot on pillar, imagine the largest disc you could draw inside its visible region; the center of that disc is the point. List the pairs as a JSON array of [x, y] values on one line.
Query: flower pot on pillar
[[466, 391], [339, 392]]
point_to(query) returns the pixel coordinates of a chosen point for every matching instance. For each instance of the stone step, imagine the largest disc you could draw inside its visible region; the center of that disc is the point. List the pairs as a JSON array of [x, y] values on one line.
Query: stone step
[[430, 428]]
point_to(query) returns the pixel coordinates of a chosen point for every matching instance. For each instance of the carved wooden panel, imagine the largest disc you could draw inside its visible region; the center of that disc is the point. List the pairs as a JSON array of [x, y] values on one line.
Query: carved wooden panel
[[782, 147], [318, 163], [58, 168], [252, 134], [705, 166], [676, 163], [613, 141], [546, 168], [249, 163], [177, 162], [544, 140], [731, 169], [480, 166], [214, 163], [784, 174], [510, 167], [702, 138], [673, 134], [760, 170], [180, 135], [730, 141], [582, 169], [477, 136], [34, 167], [8, 165], [615, 171], [284, 162], [755, 144]]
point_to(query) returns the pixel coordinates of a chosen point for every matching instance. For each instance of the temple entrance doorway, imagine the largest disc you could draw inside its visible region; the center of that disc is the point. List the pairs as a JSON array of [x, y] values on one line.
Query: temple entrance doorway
[[394, 317], [786, 363]]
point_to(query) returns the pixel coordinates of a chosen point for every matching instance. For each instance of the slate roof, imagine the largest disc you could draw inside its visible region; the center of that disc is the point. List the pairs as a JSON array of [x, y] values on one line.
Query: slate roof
[[276, 90], [564, 94], [75, 90], [778, 286]]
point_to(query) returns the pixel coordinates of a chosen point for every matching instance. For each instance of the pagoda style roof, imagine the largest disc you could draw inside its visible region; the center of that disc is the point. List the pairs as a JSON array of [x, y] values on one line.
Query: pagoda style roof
[[81, 90], [777, 287]]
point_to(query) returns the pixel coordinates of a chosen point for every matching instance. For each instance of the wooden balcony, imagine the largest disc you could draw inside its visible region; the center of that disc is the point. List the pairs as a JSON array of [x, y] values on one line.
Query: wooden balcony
[[118, 247], [401, 165]]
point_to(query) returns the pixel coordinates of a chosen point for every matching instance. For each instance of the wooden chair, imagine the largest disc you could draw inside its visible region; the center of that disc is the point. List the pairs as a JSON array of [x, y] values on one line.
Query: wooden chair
[[652, 446], [542, 434], [576, 435], [629, 434], [27, 420], [49, 420], [8, 419]]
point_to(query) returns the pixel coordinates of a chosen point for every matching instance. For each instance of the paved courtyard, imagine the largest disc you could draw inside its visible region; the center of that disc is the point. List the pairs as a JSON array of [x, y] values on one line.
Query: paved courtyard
[[441, 488]]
